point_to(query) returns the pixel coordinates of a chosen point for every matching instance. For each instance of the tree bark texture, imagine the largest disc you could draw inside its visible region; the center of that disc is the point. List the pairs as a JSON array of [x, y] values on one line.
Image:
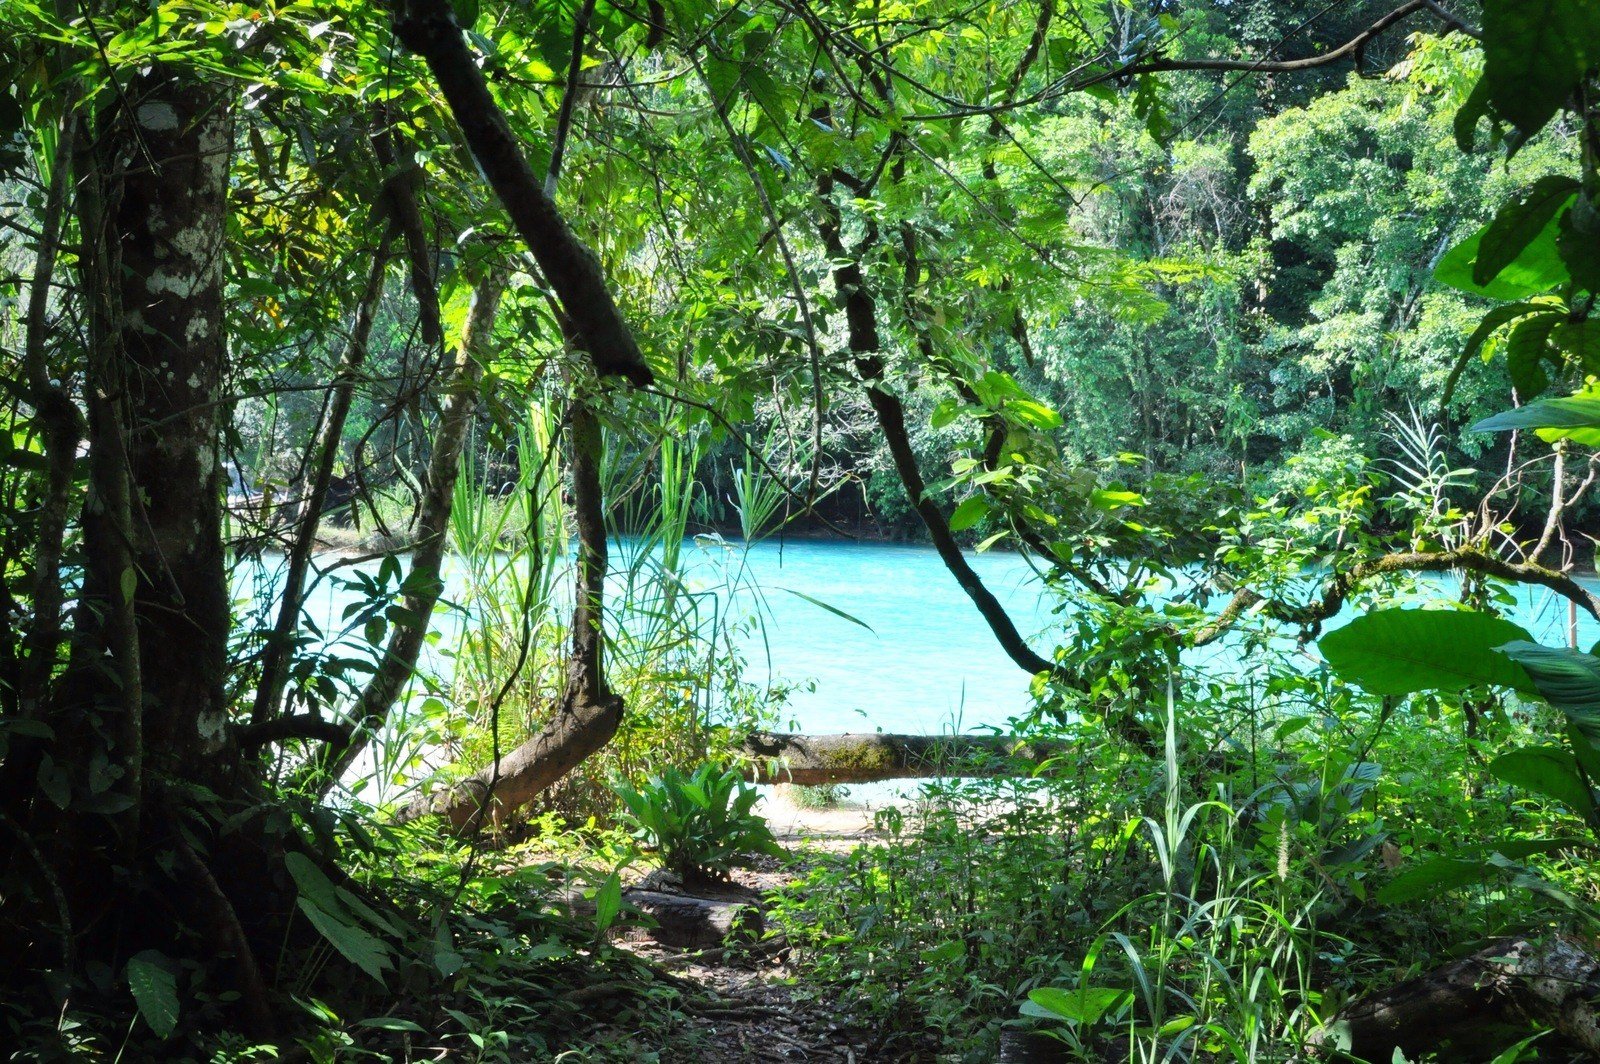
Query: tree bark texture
[[1472, 1008], [813, 760], [168, 210]]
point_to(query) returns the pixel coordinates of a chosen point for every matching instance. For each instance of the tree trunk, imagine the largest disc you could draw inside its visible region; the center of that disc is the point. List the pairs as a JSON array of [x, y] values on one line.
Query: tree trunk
[[140, 717], [1477, 1006], [812, 760], [589, 713], [144, 685], [424, 582], [689, 922], [169, 213]]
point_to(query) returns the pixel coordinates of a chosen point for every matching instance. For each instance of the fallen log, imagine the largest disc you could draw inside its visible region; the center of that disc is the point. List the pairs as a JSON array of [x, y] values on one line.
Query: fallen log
[[811, 760], [1478, 1005], [688, 922]]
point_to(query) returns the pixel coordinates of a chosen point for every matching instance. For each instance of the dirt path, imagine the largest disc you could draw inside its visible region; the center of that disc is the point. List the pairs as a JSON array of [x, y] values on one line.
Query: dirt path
[[757, 1011]]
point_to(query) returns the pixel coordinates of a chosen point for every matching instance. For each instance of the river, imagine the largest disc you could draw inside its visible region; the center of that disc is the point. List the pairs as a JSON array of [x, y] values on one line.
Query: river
[[920, 659]]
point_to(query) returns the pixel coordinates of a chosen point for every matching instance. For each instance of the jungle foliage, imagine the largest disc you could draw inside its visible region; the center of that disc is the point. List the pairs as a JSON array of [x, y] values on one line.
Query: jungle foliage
[[1240, 320]]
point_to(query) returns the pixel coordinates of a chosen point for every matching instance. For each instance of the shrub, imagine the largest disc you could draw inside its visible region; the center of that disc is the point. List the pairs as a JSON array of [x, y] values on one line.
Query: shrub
[[702, 825]]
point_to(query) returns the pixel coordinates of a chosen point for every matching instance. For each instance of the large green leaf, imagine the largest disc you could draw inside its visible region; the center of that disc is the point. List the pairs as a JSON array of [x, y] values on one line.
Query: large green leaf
[[1519, 222], [1567, 679], [1546, 770], [1495, 319], [1580, 340], [1400, 651], [1563, 413], [1083, 1005], [970, 512], [1526, 351], [361, 949], [1579, 242], [607, 903], [1429, 877], [1473, 864], [1534, 53], [1536, 269], [155, 991]]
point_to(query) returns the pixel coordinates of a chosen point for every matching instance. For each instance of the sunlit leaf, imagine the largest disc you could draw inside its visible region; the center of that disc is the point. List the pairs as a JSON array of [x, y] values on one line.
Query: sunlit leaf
[[1401, 651]]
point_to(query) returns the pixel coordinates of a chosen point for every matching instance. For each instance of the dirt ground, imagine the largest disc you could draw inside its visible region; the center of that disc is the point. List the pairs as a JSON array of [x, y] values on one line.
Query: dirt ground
[[754, 1013]]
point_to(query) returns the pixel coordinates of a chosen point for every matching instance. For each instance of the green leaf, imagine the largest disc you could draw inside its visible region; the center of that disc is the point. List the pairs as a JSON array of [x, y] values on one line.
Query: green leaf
[[1513, 1053], [1466, 120], [1534, 54], [836, 611], [1085, 1005], [361, 949], [155, 991], [1579, 243], [1401, 651], [391, 1023], [1526, 350], [1033, 413], [1109, 499], [722, 77], [1581, 341], [1518, 222], [1537, 269], [945, 413], [310, 881], [1496, 318], [1430, 877], [1560, 413], [1546, 770], [969, 513], [1567, 679], [130, 584], [607, 903]]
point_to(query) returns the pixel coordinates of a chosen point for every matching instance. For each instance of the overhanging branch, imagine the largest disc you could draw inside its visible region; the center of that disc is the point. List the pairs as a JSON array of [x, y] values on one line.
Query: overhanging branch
[[1338, 590], [428, 28]]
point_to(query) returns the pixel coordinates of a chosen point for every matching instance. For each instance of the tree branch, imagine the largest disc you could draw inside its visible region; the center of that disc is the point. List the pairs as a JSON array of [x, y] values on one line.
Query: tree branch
[[1351, 49], [1342, 585], [296, 726], [428, 28]]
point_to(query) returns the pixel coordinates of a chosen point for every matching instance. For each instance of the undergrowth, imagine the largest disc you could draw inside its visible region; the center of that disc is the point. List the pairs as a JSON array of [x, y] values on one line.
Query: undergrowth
[[1213, 904]]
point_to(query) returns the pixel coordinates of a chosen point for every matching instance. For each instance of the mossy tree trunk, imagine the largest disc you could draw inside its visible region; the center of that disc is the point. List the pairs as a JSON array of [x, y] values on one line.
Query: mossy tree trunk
[[123, 808]]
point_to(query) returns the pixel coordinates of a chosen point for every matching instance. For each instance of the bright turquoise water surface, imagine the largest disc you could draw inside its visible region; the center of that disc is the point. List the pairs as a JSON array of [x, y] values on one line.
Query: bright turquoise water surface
[[928, 663]]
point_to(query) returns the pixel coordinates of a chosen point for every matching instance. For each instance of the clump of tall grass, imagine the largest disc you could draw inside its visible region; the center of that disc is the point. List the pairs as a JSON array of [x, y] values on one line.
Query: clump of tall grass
[[676, 609], [1214, 963]]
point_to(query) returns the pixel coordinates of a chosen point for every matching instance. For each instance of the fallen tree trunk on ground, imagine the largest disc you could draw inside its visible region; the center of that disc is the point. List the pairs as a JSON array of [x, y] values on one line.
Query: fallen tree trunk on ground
[[868, 758], [582, 727], [697, 923], [1478, 1005], [686, 921]]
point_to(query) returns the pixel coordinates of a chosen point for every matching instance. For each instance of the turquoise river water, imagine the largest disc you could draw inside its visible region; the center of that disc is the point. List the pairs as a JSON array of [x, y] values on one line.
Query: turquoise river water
[[921, 658]]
